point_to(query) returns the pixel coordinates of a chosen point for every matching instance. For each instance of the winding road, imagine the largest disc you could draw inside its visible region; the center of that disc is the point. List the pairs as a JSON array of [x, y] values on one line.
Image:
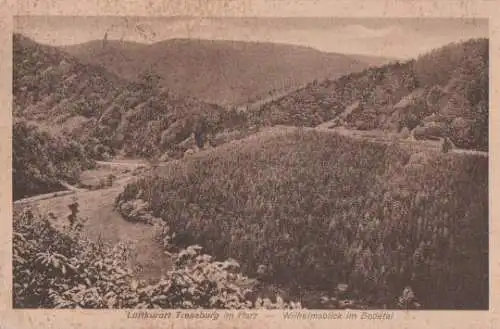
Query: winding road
[[389, 138], [104, 222], [373, 136]]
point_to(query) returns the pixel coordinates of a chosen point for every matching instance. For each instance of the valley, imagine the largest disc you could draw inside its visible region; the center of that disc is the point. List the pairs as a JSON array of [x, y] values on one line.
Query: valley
[[357, 183], [105, 223]]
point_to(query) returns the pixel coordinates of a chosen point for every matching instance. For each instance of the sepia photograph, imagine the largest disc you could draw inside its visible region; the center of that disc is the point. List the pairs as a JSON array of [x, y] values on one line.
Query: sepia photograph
[[250, 163]]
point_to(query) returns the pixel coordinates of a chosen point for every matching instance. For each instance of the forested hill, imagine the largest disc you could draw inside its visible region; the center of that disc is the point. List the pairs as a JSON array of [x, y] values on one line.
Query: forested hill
[[221, 71], [104, 112], [444, 93], [441, 93]]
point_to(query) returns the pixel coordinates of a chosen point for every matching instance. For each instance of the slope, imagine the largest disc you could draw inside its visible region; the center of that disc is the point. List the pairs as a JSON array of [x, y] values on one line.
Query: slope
[[221, 72], [41, 162], [442, 93], [101, 110], [311, 210]]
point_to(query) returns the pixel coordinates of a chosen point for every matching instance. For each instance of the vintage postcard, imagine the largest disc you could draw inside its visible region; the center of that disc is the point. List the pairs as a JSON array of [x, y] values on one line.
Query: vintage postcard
[[227, 164]]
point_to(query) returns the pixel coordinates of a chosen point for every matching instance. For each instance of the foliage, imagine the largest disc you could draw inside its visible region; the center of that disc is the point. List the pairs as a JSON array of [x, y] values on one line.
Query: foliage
[[316, 210], [105, 113], [449, 82], [222, 72], [40, 161], [60, 268], [108, 114]]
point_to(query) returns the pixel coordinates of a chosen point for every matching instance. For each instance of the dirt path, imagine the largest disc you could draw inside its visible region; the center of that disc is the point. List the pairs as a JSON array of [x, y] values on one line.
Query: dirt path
[[126, 163], [103, 222], [70, 189], [45, 196]]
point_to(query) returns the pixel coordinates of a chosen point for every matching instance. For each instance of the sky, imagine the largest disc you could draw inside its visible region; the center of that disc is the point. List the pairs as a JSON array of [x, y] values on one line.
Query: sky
[[389, 37]]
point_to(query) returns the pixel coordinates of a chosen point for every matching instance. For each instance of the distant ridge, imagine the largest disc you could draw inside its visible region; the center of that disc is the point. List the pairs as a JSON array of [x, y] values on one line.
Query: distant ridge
[[220, 71]]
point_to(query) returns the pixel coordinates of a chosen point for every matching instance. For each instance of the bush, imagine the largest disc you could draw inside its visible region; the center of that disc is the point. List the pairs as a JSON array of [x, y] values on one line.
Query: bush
[[54, 268], [40, 160]]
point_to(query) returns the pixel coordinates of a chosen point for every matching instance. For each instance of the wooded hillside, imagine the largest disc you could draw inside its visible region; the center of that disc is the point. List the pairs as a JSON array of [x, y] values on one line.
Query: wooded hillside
[[221, 71], [442, 93], [104, 112], [40, 161]]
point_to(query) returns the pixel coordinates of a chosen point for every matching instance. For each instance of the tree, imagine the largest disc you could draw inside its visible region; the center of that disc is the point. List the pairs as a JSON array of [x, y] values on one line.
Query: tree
[[200, 131], [199, 139], [55, 268], [410, 80], [105, 40], [446, 146], [150, 80], [405, 133], [40, 160]]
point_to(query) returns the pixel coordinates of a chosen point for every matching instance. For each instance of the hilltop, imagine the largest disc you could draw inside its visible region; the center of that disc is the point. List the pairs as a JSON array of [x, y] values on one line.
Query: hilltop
[[441, 93], [219, 71]]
